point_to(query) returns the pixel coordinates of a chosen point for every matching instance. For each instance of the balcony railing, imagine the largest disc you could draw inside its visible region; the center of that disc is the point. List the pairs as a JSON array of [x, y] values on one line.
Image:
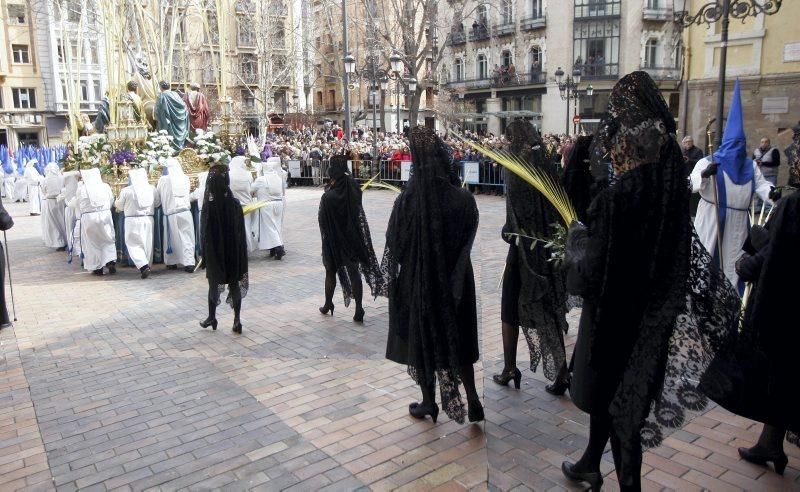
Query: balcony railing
[[533, 23], [590, 9], [477, 83], [658, 15], [456, 38], [594, 71], [519, 79], [505, 28], [479, 33], [663, 73]]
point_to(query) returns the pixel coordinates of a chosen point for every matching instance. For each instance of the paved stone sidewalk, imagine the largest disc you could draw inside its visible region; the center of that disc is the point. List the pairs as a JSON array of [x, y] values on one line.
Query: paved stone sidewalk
[[108, 383]]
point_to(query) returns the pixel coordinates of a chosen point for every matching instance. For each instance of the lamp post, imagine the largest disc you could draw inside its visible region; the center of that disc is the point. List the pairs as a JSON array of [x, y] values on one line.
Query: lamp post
[[723, 10], [349, 67], [568, 90], [396, 62]]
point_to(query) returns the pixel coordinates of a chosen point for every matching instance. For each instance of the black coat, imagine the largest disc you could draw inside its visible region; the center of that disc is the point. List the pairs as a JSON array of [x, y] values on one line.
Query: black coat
[[6, 223]]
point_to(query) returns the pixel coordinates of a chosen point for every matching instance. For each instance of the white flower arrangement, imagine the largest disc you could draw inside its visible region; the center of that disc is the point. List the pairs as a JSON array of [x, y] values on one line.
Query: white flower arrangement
[[157, 149], [90, 149], [209, 148]]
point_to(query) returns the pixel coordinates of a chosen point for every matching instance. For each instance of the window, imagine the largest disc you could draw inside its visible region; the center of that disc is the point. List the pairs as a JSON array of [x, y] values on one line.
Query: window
[[84, 90], [597, 8], [212, 35], [483, 16], [64, 90], [653, 4], [678, 62], [16, 14], [650, 53], [28, 138], [483, 67], [97, 90], [506, 12], [60, 51], [20, 53], [210, 67], [248, 101], [536, 9], [536, 57], [445, 77], [24, 98], [459, 69], [92, 55], [596, 48], [246, 32], [249, 67], [507, 58]]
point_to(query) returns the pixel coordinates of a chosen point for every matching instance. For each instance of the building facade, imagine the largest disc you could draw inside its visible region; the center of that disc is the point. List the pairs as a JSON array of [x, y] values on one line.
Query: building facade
[[501, 59], [764, 54], [23, 115]]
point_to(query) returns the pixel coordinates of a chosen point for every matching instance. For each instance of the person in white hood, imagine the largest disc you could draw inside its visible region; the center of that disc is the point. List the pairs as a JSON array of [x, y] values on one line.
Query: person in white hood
[[270, 187], [179, 239], [54, 230], [138, 201], [72, 218], [242, 189], [98, 241], [33, 180]]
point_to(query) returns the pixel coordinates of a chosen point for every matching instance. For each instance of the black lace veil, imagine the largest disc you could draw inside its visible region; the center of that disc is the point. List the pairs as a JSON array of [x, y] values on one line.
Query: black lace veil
[[542, 304], [346, 240], [223, 234], [432, 310]]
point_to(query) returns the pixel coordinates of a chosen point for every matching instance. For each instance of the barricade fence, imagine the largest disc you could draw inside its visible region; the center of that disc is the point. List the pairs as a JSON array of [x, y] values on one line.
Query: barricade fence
[[314, 172]]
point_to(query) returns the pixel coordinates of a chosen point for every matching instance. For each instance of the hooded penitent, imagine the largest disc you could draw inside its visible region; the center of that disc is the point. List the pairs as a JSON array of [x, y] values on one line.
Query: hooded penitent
[[346, 240], [223, 234], [141, 187], [178, 180], [542, 300], [655, 310], [432, 308]]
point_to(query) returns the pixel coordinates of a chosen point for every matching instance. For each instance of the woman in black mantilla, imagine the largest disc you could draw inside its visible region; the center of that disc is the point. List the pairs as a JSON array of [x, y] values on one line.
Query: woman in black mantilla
[[6, 223], [759, 379], [534, 295], [433, 325], [654, 310], [346, 241], [224, 246]]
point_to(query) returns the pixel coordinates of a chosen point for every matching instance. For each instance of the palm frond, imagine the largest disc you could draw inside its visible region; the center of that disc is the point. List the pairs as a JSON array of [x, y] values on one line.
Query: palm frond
[[386, 186], [543, 182], [368, 183], [252, 207]]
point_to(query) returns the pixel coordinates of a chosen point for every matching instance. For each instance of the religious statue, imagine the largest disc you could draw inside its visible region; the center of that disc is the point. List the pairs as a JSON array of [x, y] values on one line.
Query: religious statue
[[138, 104], [103, 115], [85, 127], [198, 108], [171, 115]]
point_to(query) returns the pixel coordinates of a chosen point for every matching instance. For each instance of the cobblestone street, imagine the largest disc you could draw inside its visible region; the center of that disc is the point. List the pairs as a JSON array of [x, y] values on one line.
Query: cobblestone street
[[109, 383]]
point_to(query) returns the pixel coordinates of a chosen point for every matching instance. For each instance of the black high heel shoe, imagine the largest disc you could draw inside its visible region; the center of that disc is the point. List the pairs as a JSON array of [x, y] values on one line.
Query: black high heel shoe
[[237, 328], [558, 387], [758, 457], [359, 316], [504, 377], [475, 410], [327, 308], [212, 322], [594, 479], [420, 411]]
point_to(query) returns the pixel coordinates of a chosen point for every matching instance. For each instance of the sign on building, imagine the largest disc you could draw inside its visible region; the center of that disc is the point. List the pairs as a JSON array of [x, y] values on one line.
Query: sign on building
[[472, 174], [775, 105], [791, 52], [294, 169]]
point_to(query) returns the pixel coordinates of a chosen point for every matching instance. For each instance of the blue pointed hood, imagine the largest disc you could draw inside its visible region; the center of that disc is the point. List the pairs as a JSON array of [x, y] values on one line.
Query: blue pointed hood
[[732, 153]]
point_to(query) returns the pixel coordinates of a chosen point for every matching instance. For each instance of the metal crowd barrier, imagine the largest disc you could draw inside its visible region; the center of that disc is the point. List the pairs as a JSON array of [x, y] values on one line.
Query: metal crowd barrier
[[314, 172]]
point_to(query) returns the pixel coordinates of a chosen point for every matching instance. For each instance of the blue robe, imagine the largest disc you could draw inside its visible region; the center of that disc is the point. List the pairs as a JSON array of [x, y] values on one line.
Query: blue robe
[[172, 116]]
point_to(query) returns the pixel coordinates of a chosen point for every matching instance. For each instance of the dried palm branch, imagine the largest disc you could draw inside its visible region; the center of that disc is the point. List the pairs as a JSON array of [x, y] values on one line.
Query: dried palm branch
[[543, 182], [386, 186], [252, 207], [366, 185]]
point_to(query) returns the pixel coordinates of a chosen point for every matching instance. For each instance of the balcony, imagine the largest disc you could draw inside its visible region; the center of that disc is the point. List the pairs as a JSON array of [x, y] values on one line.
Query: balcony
[[663, 73], [590, 9], [249, 78], [519, 79], [504, 29], [657, 15], [470, 84], [594, 71], [479, 33], [456, 38], [533, 23]]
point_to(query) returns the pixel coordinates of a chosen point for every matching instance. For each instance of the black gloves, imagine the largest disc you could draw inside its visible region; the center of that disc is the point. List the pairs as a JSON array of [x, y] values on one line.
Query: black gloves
[[759, 237], [575, 252], [709, 171], [775, 194], [748, 268]]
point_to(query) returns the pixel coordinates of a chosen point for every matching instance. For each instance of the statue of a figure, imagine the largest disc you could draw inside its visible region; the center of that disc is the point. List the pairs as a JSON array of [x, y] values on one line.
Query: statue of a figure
[[138, 104], [198, 108], [171, 115], [103, 115], [85, 127]]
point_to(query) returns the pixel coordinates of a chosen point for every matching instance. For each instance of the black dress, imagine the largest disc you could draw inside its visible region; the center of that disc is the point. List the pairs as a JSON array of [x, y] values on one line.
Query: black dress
[[6, 223], [534, 293], [758, 380], [346, 240], [433, 323]]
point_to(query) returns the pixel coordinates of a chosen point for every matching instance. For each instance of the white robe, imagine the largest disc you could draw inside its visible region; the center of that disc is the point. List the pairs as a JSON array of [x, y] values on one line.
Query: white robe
[[20, 189], [54, 231], [33, 179], [98, 245], [138, 225], [8, 186], [269, 219], [737, 218], [241, 187], [178, 234]]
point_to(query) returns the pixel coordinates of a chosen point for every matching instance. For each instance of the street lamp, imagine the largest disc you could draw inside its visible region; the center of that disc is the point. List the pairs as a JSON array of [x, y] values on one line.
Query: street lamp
[[349, 64], [349, 67], [723, 10], [568, 90]]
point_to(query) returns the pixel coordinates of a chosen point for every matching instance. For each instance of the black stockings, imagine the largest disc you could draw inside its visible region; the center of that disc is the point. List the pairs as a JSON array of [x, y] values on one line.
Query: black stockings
[[510, 338], [355, 284], [599, 434], [236, 300], [467, 378], [771, 439]]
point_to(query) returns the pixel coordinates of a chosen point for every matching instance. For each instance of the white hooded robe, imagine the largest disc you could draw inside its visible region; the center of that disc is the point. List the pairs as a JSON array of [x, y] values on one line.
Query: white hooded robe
[[98, 241], [178, 234], [138, 202]]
